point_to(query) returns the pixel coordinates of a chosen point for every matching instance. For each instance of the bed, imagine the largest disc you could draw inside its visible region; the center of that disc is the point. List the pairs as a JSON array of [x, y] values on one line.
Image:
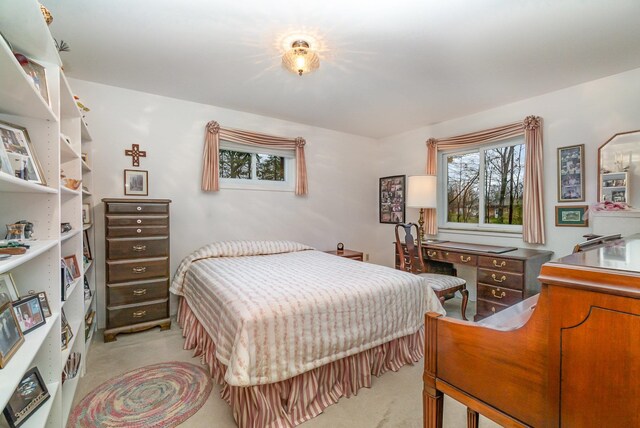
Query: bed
[[287, 330]]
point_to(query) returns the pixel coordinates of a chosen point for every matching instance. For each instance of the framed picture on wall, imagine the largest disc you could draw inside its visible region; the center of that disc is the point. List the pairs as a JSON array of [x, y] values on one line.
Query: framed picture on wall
[[392, 199], [571, 173], [136, 182], [572, 216]]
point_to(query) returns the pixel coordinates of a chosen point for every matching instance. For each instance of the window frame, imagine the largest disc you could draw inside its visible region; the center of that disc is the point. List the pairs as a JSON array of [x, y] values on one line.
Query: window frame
[[289, 183], [442, 201]]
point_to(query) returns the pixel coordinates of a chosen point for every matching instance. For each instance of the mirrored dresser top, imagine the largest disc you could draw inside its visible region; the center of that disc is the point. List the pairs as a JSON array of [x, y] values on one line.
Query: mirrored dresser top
[[622, 254]]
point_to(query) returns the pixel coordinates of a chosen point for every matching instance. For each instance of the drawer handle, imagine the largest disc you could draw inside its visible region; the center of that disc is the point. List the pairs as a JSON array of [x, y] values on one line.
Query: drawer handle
[[142, 269], [463, 260], [502, 278], [431, 253], [139, 230], [139, 208], [139, 221], [139, 248], [502, 263], [493, 309], [498, 294], [140, 292], [139, 314]]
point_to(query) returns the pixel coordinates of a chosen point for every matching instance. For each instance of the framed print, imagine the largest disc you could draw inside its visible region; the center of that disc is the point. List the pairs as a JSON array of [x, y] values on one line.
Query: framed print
[[136, 182], [30, 394], [86, 214], [571, 173], [86, 246], [8, 287], [44, 303], [29, 313], [73, 266], [23, 162], [11, 337], [37, 75], [392, 196], [572, 216]]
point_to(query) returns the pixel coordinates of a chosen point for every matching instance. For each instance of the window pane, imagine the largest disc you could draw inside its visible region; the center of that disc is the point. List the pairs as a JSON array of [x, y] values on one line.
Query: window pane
[[504, 183], [235, 164], [463, 191], [269, 167]]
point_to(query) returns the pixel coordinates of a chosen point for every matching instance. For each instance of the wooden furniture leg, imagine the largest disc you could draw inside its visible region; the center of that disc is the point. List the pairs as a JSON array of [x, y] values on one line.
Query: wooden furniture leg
[[465, 300], [432, 406], [472, 418]]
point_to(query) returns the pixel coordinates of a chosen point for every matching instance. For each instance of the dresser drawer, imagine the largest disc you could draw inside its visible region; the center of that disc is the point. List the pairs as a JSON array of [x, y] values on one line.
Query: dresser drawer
[[137, 292], [464, 259], [121, 271], [133, 314], [131, 231], [501, 264], [137, 220], [501, 279], [485, 308], [123, 248], [136, 208], [499, 295], [430, 254]]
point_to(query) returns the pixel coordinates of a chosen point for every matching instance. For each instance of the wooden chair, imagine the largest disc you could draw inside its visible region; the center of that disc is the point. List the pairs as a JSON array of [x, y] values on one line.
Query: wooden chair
[[410, 252]]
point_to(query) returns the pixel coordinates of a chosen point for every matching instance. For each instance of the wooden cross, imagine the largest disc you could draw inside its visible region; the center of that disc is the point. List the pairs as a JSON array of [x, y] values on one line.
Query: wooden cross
[[135, 154]]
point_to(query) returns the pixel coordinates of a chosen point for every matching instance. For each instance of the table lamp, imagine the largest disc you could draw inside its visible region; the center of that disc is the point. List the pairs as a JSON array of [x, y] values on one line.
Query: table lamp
[[421, 193]]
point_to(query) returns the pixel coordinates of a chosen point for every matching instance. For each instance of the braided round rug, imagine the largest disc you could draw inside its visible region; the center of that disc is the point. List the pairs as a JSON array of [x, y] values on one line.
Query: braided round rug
[[157, 396]]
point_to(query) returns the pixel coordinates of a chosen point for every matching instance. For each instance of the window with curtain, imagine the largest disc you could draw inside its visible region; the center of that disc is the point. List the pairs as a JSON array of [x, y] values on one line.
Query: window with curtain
[[484, 186]]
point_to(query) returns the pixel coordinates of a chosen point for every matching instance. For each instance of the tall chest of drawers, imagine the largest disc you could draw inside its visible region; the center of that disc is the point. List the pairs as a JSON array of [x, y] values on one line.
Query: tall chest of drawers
[[136, 265]]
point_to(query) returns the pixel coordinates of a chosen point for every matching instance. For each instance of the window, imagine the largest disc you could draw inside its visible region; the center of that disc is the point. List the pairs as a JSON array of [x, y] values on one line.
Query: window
[[256, 168], [484, 187]]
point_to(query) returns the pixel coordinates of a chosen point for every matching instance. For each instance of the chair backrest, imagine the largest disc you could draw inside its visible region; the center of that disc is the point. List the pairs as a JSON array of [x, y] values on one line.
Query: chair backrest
[[409, 249]]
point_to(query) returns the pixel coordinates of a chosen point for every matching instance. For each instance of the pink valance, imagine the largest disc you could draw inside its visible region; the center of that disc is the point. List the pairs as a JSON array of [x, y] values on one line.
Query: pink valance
[[533, 209], [211, 159]]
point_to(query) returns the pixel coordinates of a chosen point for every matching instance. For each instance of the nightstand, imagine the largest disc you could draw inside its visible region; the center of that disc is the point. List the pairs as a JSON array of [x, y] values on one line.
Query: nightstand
[[349, 254]]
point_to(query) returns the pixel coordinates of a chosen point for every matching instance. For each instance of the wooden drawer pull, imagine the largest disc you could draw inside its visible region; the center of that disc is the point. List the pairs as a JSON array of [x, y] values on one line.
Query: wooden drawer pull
[[139, 248], [139, 208], [502, 278], [142, 269], [463, 260], [431, 253], [502, 263], [498, 294], [140, 292], [139, 314], [139, 221]]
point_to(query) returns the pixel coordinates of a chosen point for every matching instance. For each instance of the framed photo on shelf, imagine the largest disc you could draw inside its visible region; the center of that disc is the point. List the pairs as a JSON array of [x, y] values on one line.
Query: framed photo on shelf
[[44, 303], [86, 246], [571, 173], [392, 199], [11, 337], [29, 313], [86, 214], [574, 215], [17, 149], [30, 394], [8, 287], [136, 182], [73, 266], [37, 75]]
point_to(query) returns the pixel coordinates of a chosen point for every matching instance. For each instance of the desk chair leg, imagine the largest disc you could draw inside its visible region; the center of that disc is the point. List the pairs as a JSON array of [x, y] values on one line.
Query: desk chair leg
[[472, 418], [465, 300]]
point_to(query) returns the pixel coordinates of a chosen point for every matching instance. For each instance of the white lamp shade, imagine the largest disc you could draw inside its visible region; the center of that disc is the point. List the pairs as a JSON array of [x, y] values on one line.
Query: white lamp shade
[[421, 191]]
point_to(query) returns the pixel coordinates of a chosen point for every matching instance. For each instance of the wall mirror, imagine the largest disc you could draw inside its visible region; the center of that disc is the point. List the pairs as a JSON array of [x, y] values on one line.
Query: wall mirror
[[619, 169]]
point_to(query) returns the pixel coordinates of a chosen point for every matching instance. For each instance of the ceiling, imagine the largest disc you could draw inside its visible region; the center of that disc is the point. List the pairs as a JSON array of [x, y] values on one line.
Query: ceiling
[[386, 66]]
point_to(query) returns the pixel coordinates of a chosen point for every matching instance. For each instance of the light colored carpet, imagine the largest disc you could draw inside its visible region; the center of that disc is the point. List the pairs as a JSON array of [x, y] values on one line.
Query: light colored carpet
[[395, 399]]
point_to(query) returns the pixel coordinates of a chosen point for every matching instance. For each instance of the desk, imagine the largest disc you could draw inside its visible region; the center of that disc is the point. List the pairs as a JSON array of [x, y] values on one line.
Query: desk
[[504, 278]]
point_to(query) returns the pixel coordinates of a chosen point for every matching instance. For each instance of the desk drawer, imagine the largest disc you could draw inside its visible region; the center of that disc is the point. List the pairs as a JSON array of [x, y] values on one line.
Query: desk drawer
[[461, 258], [136, 208], [137, 248], [501, 264], [137, 220], [131, 231], [137, 292], [134, 314], [121, 271], [433, 254], [499, 295], [485, 308], [501, 279]]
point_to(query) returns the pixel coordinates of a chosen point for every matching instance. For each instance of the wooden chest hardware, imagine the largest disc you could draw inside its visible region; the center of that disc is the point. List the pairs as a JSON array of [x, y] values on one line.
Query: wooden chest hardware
[[137, 265]]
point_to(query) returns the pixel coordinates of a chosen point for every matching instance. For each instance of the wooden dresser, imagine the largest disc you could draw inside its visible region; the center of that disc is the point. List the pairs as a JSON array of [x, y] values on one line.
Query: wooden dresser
[[504, 278], [137, 265], [348, 254]]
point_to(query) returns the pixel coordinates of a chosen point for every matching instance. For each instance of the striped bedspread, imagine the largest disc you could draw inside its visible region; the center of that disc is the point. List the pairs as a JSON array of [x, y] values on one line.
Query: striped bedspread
[[278, 309]]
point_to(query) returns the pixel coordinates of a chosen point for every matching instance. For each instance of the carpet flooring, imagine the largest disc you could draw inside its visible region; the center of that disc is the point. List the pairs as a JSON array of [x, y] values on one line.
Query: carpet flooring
[[394, 401]]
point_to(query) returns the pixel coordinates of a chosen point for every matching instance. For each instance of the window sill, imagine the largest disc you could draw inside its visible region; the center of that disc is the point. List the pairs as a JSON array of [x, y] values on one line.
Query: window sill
[[482, 232], [258, 187]]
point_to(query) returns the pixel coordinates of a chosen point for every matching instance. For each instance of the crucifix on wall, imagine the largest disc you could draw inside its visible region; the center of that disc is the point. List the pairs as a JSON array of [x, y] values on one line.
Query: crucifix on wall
[[135, 154]]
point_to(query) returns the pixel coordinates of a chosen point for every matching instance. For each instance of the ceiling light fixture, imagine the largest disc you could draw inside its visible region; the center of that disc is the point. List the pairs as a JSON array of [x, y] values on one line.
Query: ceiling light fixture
[[300, 59]]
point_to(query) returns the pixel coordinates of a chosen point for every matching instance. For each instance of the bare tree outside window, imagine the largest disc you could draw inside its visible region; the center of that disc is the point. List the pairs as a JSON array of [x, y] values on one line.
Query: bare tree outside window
[[463, 191], [235, 164], [269, 167]]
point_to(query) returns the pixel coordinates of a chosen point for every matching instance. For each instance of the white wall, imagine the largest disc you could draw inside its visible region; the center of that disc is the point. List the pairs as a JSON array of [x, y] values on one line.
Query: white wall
[[586, 114], [342, 184]]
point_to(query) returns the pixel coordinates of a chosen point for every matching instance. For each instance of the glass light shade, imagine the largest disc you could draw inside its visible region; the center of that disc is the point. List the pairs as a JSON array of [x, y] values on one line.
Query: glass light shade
[[421, 191], [300, 59]]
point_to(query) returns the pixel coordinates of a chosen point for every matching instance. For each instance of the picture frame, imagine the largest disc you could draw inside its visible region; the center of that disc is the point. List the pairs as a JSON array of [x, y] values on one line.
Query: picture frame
[[86, 246], [37, 75], [11, 337], [8, 287], [86, 214], [136, 182], [72, 264], [44, 303], [30, 394], [392, 195], [28, 311], [17, 149], [571, 173], [572, 215]]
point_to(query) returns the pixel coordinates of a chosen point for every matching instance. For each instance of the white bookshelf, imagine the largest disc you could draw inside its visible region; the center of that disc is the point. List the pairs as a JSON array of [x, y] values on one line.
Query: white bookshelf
[[58, 134]]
